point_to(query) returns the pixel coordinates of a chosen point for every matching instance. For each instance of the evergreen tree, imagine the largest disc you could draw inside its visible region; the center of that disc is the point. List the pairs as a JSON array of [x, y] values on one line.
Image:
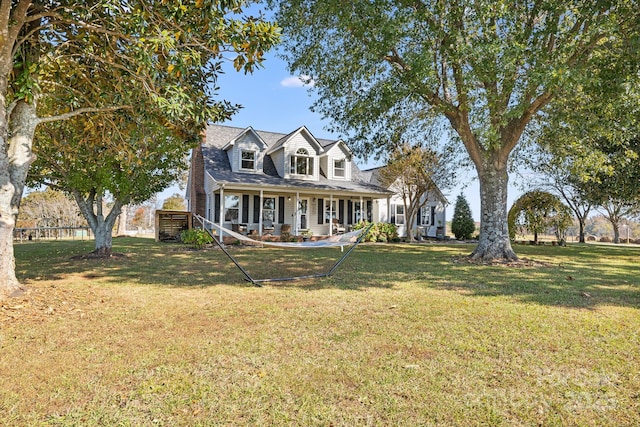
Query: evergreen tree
[[462, 224]]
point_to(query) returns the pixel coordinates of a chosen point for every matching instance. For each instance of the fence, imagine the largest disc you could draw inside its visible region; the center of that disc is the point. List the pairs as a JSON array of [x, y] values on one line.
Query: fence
[[51, 233]]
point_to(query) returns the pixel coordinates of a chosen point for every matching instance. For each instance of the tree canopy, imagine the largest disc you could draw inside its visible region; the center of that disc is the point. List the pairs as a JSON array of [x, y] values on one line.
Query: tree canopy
[[176, 202], [591, 149], [116, 156], [538, 211], [486, 67], [49, 208], [615, 188], [65, 58], [417, 174]]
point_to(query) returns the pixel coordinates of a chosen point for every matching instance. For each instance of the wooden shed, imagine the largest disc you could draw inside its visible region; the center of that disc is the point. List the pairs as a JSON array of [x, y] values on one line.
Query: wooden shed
[[169, 224]]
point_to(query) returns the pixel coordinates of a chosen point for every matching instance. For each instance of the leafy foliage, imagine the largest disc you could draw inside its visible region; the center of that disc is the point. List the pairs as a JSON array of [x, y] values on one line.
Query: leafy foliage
[[416, 174], [196, 237], [49, 208], [462, 224], [599, 151], [379, 232], [175, 202], [122, 157], [537, 211], [485, 68], [66, 58], [106, 54]]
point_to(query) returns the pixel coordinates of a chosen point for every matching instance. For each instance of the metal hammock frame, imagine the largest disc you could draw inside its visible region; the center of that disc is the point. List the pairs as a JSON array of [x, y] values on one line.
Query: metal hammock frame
[[258, 282]]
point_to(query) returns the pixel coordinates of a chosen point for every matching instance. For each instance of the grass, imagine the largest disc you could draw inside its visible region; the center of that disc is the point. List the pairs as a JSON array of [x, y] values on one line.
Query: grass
[[400, 335]]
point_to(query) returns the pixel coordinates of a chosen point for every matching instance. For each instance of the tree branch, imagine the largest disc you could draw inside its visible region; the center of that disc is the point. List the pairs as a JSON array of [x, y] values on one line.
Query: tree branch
[[512, 132], [80, 111]]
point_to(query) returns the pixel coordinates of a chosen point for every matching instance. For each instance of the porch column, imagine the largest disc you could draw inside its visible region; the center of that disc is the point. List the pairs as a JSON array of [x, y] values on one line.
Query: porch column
[[331, 215], [389, 210], [296, 214], [221, 212], [260, 218]]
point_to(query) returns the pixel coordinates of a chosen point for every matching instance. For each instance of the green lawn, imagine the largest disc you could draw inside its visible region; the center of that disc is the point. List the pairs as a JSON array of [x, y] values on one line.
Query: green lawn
[[400, 335]]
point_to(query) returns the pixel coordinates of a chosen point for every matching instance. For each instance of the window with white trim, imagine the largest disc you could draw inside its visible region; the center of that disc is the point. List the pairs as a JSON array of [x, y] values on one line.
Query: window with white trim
[[231, 207], [398, 211], [248, 160], [357, 212], [301, 163], [339, 168], [269, 209], [424, 215], [329, 211]]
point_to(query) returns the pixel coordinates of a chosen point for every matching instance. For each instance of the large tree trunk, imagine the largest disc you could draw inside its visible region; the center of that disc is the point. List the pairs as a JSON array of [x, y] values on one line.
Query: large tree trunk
[[8, 281], [9, 284], [104, 242], [15, 157], [101, 226], [494, 233]]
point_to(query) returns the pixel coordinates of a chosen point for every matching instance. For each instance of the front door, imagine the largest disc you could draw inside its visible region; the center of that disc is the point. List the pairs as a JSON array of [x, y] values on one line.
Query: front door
[[303, 205]]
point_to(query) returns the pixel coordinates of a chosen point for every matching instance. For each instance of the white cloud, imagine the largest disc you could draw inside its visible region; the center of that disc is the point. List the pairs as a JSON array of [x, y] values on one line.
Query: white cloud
[[299, 81]]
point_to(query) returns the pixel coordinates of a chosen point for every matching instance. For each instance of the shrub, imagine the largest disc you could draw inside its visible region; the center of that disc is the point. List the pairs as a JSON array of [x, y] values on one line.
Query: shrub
[[196, 238], [605, 239], [462, 224], [380, 232]]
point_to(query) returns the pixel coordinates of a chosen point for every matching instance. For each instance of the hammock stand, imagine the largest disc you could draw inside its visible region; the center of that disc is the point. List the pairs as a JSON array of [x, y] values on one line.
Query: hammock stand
[[258, 282]]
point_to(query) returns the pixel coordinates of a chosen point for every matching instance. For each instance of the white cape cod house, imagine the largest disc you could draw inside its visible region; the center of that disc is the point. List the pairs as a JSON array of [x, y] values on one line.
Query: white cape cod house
[[266, 183]]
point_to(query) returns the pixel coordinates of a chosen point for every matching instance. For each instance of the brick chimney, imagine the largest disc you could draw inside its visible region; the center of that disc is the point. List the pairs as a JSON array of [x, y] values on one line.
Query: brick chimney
[[198, 202]]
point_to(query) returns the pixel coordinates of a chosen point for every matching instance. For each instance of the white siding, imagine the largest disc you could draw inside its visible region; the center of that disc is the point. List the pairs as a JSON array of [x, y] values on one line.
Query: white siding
[[248, 142], [299, 141], [279, 161], [381, 210], [209, 187], [328, 161]]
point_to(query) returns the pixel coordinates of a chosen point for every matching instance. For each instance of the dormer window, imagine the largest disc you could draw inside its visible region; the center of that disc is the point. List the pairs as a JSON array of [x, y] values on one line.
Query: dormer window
[[248, 160], [339, 168], [301, 163]]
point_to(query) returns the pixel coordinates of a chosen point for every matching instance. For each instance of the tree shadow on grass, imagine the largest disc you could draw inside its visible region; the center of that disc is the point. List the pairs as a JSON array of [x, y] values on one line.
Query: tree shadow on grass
[[574, 276], [580, 276], [143, 261]]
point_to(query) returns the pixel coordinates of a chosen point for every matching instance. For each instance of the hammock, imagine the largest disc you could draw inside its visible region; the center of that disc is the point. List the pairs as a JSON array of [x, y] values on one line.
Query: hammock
[[335, 240], [352, 238]]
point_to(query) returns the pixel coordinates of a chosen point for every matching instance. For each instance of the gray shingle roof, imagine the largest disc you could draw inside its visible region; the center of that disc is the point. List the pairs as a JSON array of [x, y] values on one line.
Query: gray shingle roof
[[217, 165]]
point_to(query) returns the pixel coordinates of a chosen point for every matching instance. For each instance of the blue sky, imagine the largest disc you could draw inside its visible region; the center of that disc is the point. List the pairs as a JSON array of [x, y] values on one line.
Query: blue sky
[[275, 101]]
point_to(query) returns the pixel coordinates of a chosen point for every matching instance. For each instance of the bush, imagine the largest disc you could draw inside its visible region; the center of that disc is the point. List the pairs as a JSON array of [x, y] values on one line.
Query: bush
[[380, 232], [462, 224], [605, 239], [196, 238]]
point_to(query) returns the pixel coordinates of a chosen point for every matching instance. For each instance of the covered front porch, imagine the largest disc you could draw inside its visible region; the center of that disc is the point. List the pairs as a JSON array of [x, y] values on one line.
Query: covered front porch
[[277, 212]]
